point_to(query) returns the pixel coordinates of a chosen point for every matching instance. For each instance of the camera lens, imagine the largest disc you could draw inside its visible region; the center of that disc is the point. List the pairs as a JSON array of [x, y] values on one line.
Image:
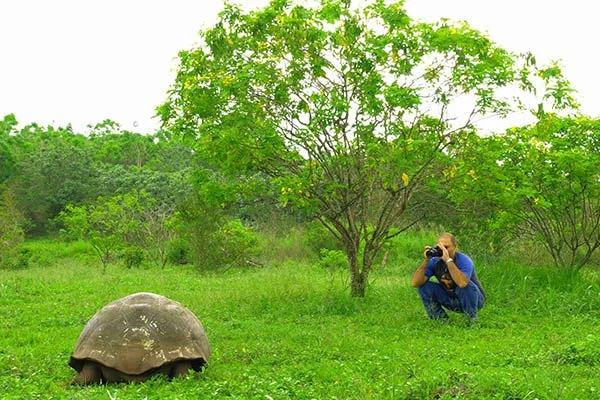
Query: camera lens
[[434, 251]]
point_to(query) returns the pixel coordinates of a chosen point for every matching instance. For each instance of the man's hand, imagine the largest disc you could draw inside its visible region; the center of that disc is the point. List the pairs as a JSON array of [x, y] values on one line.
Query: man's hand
[[425, 252], [457, 275]]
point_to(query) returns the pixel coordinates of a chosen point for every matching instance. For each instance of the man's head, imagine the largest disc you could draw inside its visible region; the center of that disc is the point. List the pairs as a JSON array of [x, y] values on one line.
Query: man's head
[[448, 240]]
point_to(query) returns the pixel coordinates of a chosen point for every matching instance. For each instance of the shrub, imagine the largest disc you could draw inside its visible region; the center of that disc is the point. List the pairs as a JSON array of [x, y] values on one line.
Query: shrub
[[231, 245], [317, 237], [237, 243], [213, 238], [333, 259], [23, 258], [178, 251], [128, 225], [133, 256]]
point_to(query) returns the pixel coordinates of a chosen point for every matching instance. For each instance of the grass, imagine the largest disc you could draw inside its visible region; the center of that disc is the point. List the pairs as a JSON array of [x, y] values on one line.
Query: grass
[[292, 331]]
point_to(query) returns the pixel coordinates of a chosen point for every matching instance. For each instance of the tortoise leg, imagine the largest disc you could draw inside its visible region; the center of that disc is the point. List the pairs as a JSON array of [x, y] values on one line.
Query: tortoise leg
[[180, 368], [111, 375], [90, 373]]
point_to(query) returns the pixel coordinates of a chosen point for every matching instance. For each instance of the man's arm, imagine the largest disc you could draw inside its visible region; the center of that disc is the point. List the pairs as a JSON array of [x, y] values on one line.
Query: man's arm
[[458, 276], [419, 278]]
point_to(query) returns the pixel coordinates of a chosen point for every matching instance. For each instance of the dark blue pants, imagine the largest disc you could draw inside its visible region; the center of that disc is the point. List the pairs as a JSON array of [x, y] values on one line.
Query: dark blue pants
[[468, 300]]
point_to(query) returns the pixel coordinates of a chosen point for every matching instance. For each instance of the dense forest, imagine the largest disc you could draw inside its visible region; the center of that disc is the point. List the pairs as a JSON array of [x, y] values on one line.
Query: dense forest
[[131, 195]]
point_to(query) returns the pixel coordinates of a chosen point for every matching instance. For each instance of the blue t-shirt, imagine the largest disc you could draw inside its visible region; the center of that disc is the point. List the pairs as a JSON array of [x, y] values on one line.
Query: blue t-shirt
[[438, 268]]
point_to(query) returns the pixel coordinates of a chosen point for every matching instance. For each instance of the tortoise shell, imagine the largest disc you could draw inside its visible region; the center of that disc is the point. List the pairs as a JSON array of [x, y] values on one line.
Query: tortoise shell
[[141, 332]]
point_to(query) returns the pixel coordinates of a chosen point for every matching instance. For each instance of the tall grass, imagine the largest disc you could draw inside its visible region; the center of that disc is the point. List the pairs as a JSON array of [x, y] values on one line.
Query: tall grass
[[290, 330]]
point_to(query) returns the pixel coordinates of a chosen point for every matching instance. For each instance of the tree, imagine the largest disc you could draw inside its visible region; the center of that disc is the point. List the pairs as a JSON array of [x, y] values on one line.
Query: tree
[[158, 227], [542, 182], [99, 225], [207, 222], [11, 230], [111, 225], [165, 187], [113, 145], [123, 224], [54, 169], [348, 111]]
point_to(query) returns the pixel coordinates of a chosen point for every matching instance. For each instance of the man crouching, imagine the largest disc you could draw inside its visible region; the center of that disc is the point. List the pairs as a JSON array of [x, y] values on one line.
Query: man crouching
[[457, 287]]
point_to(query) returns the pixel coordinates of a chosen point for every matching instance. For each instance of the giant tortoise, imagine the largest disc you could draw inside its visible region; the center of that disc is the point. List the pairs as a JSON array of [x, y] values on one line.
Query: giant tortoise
[[137, 336]]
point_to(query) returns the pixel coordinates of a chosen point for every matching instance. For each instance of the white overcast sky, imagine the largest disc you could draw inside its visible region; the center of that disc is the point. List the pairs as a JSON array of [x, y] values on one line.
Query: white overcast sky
[[82, 61]]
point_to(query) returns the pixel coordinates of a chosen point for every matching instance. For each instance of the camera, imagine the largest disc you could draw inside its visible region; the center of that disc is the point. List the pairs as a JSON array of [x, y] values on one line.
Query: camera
[[434, 251]]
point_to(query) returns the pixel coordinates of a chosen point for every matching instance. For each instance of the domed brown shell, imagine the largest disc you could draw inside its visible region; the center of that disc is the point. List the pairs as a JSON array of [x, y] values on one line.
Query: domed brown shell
[[141, 332]]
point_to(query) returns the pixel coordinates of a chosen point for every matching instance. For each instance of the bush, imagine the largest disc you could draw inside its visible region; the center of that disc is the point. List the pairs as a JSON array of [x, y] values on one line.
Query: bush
[[178, 251], [213, 239], [317, 237], [333, 259], [23, 258], [237, 243], [133, 256], [231, 245], [20, 259]]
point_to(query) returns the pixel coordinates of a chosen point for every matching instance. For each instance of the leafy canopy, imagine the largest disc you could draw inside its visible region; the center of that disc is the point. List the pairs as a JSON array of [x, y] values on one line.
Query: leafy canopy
[[543, 182], [347, 110]]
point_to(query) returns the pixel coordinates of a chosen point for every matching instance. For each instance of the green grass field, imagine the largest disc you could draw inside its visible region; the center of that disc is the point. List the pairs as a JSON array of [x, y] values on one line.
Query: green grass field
[[292, 331]]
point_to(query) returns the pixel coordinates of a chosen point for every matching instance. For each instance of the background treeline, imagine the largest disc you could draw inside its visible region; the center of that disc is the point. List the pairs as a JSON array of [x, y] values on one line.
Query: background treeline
[[48, 168], [136, 198]]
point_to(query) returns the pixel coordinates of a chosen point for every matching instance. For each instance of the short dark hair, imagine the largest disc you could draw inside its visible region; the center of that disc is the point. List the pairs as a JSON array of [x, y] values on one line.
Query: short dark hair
[[451, 236]]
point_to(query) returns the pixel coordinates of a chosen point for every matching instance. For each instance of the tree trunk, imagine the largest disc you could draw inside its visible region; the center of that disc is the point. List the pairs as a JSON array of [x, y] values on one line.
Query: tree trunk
[[359, 274], [358, 278], [358, 286]]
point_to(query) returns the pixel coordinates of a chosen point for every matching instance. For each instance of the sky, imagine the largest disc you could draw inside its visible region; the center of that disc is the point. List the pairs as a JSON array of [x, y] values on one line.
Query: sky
[[84, 61]]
